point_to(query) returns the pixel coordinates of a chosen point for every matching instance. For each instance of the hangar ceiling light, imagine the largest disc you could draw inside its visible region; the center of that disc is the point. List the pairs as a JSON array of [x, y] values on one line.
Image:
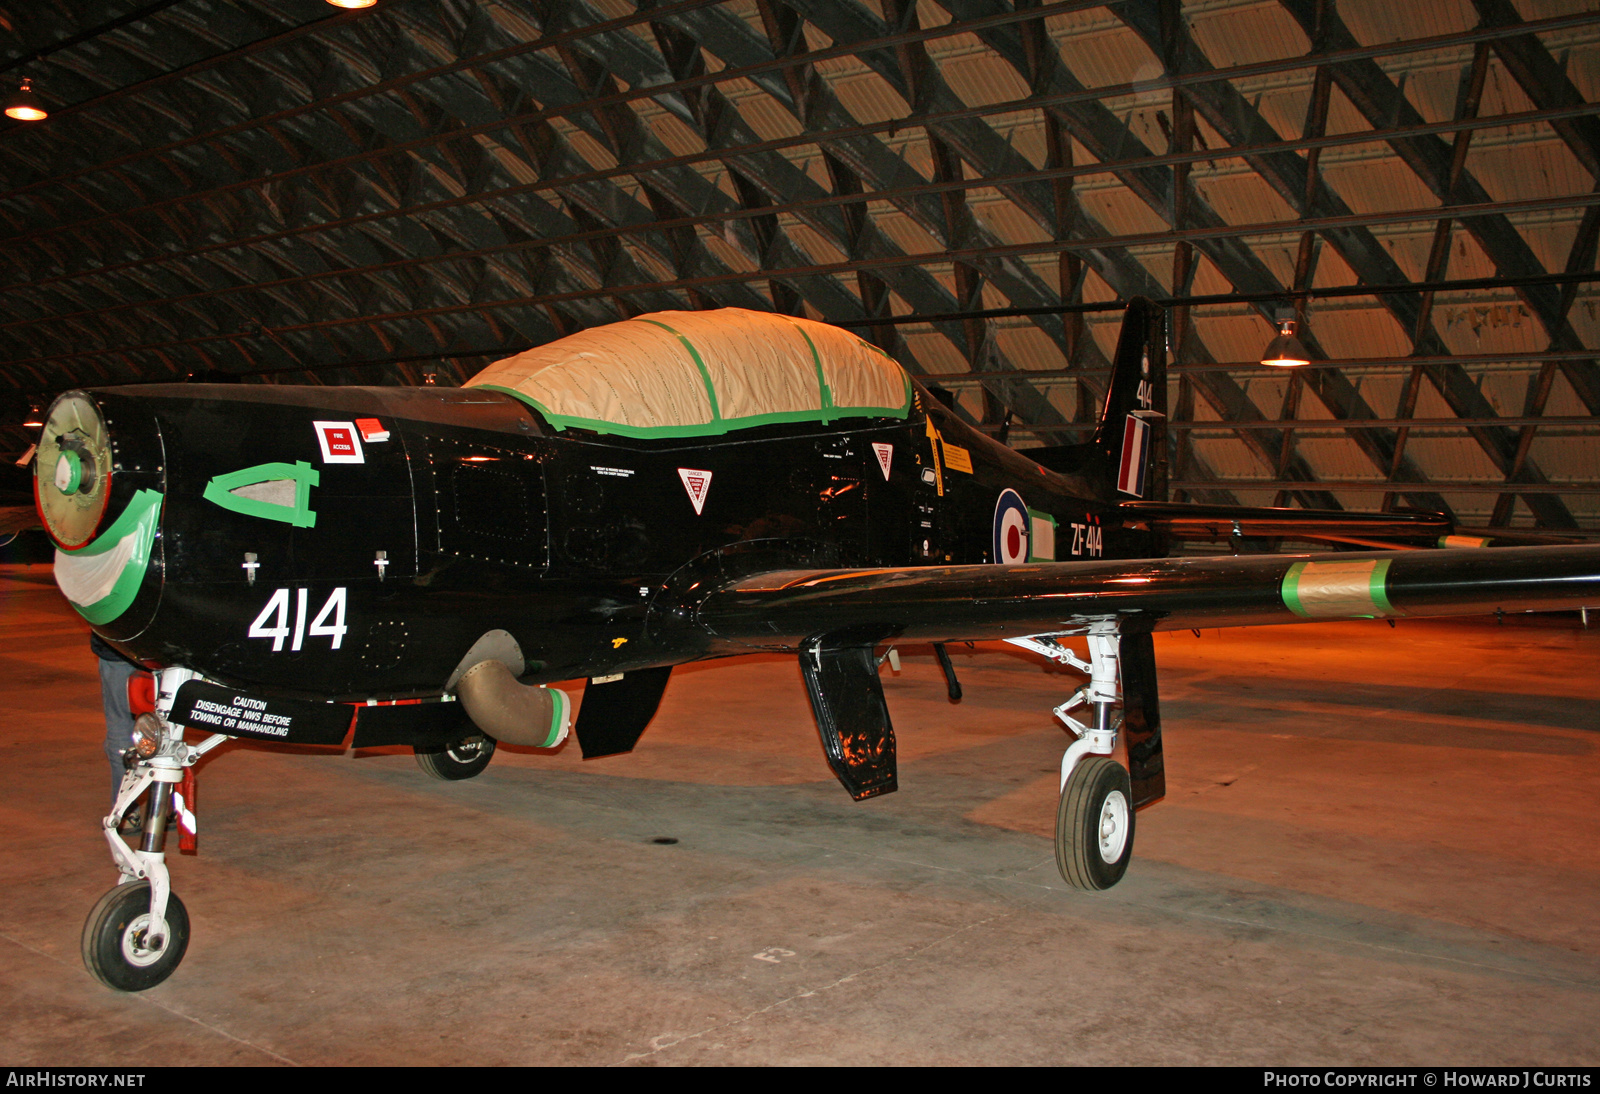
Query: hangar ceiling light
[[24, 106], [1285, 351]]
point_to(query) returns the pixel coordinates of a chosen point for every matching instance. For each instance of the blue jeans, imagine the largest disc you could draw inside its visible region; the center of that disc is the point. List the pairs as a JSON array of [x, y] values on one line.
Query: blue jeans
[[114, 676]]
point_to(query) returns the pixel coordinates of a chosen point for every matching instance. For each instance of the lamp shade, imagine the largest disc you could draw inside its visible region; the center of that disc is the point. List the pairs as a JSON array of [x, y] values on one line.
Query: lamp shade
[[24, 106], [1285, 351]]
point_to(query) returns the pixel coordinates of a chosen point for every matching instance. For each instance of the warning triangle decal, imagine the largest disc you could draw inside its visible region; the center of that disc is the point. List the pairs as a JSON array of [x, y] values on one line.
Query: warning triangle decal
[[885, 457], [698, 483]]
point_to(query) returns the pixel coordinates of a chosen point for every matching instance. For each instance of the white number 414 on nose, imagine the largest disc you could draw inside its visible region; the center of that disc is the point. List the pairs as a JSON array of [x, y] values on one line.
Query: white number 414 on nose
[[273, 622]]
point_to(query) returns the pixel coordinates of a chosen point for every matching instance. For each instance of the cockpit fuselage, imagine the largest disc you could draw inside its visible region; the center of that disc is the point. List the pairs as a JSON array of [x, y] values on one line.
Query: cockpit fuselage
[[353, 542]]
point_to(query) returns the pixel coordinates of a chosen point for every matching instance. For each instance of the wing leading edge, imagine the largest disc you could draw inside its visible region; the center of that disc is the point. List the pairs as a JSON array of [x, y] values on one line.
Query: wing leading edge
[[782, 610]]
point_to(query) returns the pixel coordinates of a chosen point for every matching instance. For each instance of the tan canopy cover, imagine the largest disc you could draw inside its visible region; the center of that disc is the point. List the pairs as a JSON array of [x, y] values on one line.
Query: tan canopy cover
[[690, 373]]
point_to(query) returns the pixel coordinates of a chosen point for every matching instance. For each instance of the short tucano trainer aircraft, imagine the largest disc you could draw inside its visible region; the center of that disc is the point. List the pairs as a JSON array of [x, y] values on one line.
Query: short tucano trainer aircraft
[[413, 566]]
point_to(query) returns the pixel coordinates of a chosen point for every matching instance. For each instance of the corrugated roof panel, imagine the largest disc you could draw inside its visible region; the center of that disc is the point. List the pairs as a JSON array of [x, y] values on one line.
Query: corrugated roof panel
[[1228, 457], [1447, 459], [812, 243], [680, 139], [1343, 115], [1549, 238], [1099, 50], [1566, 454], [1004, 219], [1466, 259], [1232, 336], [1346, 328], [866, 95], [976, 74], [1564, 401], [1585, 316], [933, 351], [1265, 388], [1502, 94], [1029, 347], [1335, 457], [1373, 23], [1121, 212], [1242, 197], [1239, 34], [1541, 167], [1208, 279], [1376, 185], [1487, 326], [906, 233], [767, 117]]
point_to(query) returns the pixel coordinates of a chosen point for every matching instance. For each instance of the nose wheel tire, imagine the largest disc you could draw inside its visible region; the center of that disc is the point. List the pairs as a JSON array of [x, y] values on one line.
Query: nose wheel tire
[[1094, 824], [117, 945], [459, 760]]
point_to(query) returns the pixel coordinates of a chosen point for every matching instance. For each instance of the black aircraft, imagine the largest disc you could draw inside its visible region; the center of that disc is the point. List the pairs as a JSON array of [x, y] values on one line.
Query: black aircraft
[[412, 566]]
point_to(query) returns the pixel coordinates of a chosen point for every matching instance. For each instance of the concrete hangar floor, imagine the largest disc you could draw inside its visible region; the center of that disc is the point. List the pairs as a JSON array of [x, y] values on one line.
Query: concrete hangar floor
[[1378, 846]]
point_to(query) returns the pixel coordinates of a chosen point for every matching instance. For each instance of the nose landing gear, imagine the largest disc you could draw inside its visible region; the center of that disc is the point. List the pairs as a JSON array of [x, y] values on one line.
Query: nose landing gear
[[127, 948], [137, 933]]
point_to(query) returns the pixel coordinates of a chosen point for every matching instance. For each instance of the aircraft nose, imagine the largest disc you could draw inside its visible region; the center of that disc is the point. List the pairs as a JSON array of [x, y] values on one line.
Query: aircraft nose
[[101, 507]]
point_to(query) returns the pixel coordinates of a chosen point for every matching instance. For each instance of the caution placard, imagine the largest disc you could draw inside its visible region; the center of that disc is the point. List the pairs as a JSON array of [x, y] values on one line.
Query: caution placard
[[210, 707]]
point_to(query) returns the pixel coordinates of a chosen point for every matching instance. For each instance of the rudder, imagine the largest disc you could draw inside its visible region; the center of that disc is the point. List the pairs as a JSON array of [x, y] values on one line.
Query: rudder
[[1129, 447]]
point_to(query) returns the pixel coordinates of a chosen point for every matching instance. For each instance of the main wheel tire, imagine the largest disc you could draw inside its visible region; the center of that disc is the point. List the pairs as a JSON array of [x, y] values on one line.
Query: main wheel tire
[[1094, 824], [115, 942], [459, 760]]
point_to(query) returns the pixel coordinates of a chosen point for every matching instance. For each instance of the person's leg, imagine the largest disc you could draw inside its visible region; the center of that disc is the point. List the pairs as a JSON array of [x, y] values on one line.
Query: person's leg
[[114, 676]]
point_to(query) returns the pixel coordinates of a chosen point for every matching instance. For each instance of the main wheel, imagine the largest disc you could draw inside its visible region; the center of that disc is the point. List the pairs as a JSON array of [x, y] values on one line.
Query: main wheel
[[1094, 824], [459, 760], [116, 939]]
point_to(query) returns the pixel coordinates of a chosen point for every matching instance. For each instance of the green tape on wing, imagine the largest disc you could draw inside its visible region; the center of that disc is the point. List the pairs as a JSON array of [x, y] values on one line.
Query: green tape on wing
[[129, 537], [1357, 589], [1291, 591], [1380, 588], [220, 491]]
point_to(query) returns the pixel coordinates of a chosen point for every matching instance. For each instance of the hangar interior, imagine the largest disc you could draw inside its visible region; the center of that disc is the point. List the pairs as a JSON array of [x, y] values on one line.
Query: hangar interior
[[286, 192]]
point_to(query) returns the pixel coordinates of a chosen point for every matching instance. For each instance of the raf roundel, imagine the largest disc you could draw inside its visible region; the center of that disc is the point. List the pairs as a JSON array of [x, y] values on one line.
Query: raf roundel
[[1010, 528]]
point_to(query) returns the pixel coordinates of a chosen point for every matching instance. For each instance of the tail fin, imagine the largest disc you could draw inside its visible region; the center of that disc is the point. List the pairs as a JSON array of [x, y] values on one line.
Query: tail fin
[[1130, 444]]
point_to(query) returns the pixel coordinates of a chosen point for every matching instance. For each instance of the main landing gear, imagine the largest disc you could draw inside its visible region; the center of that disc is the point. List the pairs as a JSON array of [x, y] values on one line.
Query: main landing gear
[[458, 760], [1095, 817], [138, 932]]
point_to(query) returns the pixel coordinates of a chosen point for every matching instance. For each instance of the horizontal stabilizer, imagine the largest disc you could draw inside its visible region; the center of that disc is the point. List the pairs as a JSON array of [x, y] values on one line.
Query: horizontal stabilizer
[[1183, 520]]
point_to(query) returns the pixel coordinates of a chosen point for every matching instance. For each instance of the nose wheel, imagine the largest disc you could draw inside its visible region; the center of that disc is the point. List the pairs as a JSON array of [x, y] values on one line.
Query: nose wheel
[[1094, 824], [128, 950]]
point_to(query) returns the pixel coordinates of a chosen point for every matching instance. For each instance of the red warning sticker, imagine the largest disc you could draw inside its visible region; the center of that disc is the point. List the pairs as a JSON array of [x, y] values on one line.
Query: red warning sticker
[[697, 483], [372, 430], [340, 442], [885, 453]]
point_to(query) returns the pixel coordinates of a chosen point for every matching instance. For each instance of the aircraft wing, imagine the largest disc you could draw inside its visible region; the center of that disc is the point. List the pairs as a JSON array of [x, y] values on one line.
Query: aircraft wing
[[781, 610]]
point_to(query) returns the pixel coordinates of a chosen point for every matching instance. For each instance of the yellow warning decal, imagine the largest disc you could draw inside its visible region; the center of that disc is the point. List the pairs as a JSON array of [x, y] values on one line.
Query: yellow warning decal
[[956, 458]]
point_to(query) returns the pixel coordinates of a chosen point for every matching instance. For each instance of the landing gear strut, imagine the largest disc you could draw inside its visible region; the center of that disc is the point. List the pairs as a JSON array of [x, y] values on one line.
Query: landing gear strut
[[1095, 817], [138, 932]]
